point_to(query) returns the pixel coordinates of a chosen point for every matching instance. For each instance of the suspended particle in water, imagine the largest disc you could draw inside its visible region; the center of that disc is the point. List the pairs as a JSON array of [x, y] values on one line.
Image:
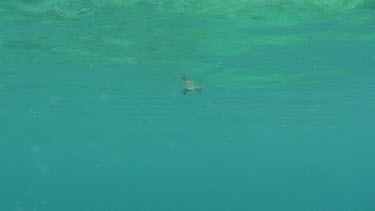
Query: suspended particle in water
[[18, 208], [35, 148]]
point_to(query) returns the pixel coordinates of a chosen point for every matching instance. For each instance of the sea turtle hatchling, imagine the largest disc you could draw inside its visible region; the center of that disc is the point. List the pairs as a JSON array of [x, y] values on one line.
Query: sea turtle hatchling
[[190, 86]]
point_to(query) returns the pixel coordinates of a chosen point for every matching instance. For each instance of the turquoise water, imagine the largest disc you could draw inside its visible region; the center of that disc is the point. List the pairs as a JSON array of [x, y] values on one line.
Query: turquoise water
[[92, 116]]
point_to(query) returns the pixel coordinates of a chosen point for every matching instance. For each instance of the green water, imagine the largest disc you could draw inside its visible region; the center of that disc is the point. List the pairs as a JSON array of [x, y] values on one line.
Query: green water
[[92, 116]]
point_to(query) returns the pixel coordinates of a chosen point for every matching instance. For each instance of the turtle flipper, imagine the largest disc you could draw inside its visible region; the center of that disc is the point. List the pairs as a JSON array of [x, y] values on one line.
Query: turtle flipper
[[184, 91], [198, 90]]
